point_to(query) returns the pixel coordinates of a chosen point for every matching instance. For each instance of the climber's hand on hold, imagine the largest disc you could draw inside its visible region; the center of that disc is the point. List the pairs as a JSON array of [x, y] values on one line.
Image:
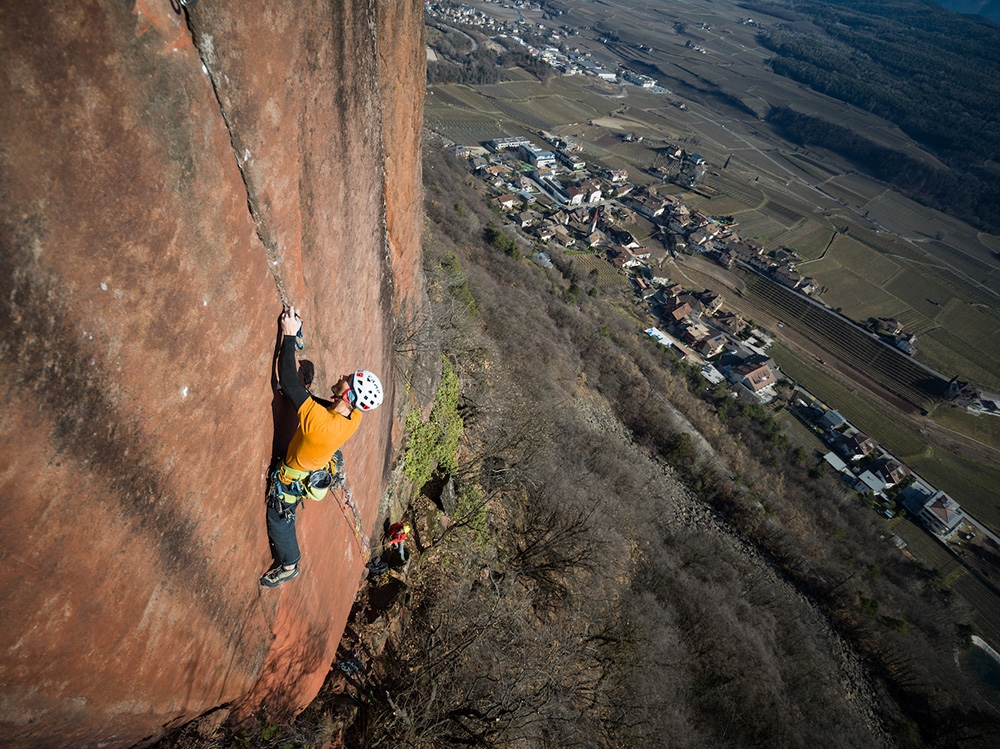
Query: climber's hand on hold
[[290, 322]]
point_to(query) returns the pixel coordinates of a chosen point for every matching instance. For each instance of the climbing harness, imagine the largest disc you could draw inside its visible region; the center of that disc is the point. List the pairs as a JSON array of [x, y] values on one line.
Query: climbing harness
[[293, 484], [276, 500]]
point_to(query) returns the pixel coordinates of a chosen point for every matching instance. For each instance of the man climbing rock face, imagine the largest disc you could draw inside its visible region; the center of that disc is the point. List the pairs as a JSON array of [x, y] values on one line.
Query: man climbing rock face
[[309, 466]]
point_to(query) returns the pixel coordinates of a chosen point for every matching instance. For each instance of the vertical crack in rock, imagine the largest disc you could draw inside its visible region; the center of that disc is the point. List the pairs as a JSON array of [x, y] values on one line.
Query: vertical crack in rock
[[203, 44], [387, 291]]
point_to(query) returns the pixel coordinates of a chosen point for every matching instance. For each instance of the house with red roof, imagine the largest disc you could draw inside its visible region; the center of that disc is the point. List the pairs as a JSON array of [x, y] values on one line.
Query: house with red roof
[[941, 514]]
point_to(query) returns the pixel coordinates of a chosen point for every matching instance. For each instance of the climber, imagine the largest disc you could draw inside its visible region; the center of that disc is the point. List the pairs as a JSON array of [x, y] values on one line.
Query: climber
[[397, 535], [313, 457]]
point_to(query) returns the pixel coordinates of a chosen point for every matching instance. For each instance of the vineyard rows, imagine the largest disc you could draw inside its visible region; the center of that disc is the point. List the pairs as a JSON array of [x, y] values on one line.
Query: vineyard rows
[[750, 201], [984, 601], [892, 370]]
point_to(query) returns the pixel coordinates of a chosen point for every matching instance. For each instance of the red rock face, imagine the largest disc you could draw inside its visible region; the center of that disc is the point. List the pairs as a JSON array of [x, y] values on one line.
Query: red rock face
[[167, 180]]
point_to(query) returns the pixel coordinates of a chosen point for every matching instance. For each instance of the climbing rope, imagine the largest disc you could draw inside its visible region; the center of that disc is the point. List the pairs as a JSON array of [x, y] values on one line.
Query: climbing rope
[[354, 519]]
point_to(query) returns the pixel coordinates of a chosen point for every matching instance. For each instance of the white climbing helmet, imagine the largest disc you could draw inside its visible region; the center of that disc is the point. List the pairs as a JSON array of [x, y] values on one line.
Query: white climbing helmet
[[367, 390]]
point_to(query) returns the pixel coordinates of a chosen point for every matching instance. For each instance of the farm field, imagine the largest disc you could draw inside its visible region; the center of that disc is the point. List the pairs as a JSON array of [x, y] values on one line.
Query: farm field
[[902, 215], [887, 367], [852, 292], [799, 434], [749, 197], [862, 188], [984, 601], [946, 353], [972, 483], [918, 291], [760, 227], [982, 427], [810, 239], [719, 205], [881, 423], [961, 253], [788, 215], [990, 242], [875, 268], [925, 548], [816, 171]]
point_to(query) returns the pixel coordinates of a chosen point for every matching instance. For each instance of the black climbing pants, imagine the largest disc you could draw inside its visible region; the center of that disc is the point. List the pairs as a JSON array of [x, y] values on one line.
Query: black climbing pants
[[281, 534]]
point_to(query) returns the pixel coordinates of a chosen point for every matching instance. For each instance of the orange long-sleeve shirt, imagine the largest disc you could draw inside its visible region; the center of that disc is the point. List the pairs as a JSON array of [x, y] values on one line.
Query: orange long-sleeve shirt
[[320, 434]]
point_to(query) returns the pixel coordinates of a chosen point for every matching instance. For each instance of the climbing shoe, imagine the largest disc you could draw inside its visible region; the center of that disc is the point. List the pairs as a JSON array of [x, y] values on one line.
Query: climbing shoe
[[277, 576]]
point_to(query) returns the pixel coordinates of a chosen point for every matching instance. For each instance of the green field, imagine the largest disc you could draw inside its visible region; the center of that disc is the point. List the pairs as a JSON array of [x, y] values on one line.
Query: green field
[[875, 268], [982, 427], [809, 240], [971, 482], [760, 227], [853, 294], [918, 291], [880, 422], [947, 354], [925, 547], [801, 435]]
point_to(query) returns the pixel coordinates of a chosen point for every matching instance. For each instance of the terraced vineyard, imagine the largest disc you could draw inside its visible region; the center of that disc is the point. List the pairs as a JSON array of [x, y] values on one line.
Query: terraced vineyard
[[890, 369], [978, 593], [986, 603]]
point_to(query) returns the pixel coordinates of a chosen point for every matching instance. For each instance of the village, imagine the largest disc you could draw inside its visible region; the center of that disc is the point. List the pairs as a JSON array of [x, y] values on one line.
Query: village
[[551, 200], [554, 49]]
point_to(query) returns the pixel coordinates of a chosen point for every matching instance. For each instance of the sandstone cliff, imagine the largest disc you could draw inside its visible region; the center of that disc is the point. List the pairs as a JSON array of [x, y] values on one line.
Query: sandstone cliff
[[169, 176]]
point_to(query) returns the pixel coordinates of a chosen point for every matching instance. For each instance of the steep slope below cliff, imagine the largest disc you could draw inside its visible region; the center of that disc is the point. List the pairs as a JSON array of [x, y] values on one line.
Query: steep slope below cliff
[[168, 180]]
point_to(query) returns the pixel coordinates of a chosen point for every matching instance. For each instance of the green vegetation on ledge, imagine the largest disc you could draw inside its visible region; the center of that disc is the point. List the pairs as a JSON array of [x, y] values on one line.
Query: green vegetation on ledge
[[434, 443]]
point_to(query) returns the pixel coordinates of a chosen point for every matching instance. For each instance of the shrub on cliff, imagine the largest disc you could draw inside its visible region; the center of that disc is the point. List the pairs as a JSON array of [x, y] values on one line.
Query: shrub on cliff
[[433, 444]]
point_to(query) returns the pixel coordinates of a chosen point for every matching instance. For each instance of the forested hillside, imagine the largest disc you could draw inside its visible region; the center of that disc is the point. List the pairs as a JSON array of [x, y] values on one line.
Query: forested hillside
[[934, 73], [636, 560]]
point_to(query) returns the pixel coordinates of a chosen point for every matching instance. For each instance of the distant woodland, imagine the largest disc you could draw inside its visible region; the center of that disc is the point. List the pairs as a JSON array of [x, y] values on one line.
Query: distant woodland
[[932, 72]]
